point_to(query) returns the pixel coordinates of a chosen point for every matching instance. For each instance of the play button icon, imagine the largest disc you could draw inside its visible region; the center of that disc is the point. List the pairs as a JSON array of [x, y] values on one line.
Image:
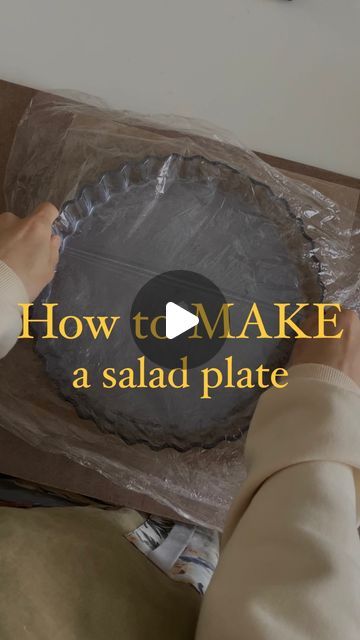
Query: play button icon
[[166, 323], [178, 320]]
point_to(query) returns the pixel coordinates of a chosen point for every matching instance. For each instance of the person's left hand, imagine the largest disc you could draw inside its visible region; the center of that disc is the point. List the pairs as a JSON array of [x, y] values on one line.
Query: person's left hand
[[28, 247]]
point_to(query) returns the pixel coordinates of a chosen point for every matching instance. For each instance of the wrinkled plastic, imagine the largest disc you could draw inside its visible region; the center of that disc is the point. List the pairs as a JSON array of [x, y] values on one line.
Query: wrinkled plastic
[[68, 152], [173, 214]]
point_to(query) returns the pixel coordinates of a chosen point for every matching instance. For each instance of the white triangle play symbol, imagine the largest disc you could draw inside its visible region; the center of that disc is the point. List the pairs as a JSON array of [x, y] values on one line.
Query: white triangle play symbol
[[178, 320]]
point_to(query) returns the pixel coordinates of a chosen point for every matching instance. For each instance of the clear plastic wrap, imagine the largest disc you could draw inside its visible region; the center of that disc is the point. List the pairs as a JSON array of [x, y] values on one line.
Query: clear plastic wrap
[[69, 152]]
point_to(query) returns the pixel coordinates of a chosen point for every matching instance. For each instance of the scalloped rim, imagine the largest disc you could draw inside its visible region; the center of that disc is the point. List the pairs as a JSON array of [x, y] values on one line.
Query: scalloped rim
[[71, 227]]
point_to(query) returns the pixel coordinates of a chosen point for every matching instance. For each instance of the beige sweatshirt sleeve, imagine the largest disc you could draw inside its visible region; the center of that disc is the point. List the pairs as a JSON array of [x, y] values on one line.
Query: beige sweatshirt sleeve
[[290, 565], [12, 292]]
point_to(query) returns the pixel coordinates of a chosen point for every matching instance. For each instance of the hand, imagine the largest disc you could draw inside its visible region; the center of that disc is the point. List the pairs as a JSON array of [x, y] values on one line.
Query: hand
[[28, 247], [342, 354]]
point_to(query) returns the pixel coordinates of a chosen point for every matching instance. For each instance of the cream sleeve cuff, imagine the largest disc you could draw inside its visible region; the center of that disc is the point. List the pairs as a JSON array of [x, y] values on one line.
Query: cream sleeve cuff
[[324, 373], [316, 417], [12, 293]]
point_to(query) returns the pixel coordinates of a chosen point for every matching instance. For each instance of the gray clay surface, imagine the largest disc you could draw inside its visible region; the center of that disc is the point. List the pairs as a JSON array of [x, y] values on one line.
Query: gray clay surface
[[156, 216]]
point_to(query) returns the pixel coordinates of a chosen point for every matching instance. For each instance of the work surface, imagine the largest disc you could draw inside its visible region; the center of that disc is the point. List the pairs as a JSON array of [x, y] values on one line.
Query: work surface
[[17, 457]]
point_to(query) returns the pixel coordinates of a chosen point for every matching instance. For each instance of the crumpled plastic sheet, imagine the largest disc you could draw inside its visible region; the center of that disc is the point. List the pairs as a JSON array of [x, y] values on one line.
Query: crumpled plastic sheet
[[62, 150]]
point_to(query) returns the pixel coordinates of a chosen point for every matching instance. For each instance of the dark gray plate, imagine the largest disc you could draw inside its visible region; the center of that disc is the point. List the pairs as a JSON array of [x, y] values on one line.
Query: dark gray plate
[[159, 215]]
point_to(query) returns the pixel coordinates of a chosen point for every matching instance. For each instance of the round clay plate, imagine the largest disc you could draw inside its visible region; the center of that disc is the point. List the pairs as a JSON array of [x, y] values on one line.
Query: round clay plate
[[162, 215]]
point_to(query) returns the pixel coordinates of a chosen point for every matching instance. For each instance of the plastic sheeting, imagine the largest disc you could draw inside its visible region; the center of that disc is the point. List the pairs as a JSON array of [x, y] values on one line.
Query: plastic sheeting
[[139, 196]]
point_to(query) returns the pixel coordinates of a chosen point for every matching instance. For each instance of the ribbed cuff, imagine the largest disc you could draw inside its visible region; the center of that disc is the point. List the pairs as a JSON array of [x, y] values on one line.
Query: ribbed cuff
[[12, 288], [324, 373]]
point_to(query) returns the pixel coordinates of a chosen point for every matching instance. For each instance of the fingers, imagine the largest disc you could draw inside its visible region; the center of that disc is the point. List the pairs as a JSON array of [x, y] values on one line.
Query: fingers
[[334, 318], [349, 317], [40, 222], [45, 214], [55, 244], [7, 219]]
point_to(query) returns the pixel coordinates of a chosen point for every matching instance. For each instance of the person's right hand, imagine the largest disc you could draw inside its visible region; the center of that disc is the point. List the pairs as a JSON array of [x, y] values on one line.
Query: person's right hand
[[28, 247], [342, 354]]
